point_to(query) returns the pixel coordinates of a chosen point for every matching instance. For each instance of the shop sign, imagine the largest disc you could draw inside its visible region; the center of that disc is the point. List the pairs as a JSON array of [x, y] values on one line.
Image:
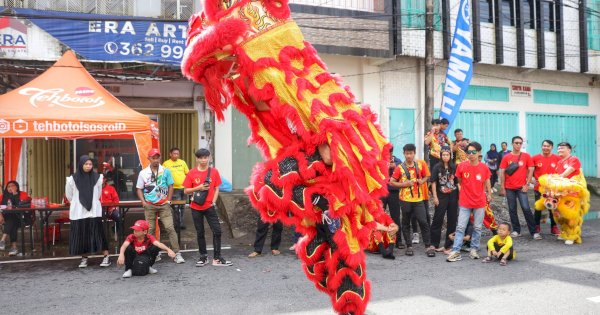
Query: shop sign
[[520, 89]]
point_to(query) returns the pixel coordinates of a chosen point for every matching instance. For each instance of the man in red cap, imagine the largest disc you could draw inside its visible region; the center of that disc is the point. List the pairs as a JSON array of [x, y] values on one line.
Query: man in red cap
[[155, 190], [138, 252]]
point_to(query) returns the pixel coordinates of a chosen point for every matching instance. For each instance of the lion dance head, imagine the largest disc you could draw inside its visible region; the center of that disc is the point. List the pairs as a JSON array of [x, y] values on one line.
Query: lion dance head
[[569, 201]]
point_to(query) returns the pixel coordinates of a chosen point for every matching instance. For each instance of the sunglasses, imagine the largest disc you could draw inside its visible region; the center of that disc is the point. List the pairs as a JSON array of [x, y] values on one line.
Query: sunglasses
[[471, 151]]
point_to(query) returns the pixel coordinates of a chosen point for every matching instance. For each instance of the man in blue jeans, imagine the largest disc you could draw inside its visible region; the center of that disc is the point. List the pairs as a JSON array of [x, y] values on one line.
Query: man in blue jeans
[[515, 186], [474, 180]]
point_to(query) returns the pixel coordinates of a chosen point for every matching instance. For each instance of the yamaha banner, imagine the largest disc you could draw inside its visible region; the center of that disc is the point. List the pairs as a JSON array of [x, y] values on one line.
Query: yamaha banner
[[113, 38], [460, 65]]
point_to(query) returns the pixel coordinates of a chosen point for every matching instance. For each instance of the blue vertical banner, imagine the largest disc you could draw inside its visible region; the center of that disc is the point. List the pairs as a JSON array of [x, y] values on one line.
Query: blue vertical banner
[[460, 65]]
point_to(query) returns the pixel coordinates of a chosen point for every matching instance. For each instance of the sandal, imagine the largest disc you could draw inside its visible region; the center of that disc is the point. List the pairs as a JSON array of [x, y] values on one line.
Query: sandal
[[440, 249], [409, 251], [487, 259], [430, 252], [254, 255], [502, 262], [400, 246]]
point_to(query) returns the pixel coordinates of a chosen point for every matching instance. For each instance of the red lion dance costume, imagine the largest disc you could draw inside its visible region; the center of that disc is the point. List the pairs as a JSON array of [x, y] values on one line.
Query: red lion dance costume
[[325, 158]]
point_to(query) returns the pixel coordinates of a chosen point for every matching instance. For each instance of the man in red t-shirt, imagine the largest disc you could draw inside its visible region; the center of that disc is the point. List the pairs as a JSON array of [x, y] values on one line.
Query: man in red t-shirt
[[199, 181], [474, 180], [516, 185], [140, 243], [544, 163], [568, 166]]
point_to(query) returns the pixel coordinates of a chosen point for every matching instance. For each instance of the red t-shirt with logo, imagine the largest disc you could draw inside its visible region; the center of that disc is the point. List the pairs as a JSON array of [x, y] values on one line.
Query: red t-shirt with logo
[[544, 165], [472, 184], [195, 178], [519, 178], [571, 161], [140, 247]]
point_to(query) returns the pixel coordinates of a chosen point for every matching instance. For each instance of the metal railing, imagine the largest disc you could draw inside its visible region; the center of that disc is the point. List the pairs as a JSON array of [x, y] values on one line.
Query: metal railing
[[166, 9], [358, 5], [169, 9]]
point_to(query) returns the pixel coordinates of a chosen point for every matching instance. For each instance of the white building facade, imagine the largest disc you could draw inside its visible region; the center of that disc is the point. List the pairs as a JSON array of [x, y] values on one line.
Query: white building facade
[[536, 71]]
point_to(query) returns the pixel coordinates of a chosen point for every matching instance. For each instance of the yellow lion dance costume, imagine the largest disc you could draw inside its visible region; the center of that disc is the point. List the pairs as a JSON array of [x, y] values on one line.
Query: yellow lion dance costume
[[569, 201]]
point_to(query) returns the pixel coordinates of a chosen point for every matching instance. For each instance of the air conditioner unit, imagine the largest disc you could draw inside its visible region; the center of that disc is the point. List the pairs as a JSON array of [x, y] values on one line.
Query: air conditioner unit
[[148, 8]]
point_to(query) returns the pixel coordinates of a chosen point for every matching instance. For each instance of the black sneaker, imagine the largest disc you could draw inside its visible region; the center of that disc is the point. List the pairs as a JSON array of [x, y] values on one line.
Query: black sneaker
[[221, 262], [203, 261]]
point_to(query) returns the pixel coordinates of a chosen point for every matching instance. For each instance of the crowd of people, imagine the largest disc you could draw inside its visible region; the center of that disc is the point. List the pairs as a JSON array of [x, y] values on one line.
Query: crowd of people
[[461, 184], [458, 182]]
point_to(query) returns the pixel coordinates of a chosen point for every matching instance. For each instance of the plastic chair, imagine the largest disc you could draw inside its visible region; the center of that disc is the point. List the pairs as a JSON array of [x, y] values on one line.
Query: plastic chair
[[59, 222]]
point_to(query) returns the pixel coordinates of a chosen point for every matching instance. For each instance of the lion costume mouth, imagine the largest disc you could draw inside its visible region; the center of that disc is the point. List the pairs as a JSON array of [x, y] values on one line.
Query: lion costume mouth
[[568, 199]]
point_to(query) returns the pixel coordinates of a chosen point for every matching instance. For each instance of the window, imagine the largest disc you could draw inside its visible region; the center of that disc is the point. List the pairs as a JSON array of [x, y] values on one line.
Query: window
[[413, 14], [593, 24], [508, 12], [486, 93], [560, 98], [528, 14], [486, 11], [549, 18]]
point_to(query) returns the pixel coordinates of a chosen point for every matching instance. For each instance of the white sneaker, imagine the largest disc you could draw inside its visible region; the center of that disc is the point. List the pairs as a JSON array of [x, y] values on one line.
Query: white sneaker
[[569, 242], [83, 263], [454, 256], [157, 258], [473, 254], [415, 239], [515, 234], [13, 252], [178, 259], [127, 274], [152, 270], [105, 262], [537, 236]]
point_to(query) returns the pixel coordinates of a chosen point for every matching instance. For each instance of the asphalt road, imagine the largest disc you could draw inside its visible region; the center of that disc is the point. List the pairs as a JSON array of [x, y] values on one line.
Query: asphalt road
[[547, 278]]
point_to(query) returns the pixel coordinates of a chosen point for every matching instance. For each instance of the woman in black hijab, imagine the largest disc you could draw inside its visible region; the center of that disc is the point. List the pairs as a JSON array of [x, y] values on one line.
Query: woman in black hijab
[[12, 221], [83, 190]]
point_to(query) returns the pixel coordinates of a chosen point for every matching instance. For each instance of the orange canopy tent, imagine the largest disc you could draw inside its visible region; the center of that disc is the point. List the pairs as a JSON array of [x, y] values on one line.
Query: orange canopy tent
[[66, 102]]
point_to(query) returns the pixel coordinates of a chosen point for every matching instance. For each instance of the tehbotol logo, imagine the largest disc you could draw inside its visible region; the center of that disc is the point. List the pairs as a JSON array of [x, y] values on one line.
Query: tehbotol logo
[[58, 97]]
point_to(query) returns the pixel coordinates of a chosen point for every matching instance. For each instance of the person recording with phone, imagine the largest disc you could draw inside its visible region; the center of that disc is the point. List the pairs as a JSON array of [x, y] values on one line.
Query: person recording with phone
[[392, 200]]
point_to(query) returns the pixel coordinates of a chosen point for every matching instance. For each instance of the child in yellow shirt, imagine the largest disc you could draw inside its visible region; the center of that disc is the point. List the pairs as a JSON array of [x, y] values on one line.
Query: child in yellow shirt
[[501, 246]]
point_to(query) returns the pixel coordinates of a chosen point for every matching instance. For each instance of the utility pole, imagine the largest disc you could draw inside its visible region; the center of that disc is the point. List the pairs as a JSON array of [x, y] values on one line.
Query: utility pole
[[429, 69]]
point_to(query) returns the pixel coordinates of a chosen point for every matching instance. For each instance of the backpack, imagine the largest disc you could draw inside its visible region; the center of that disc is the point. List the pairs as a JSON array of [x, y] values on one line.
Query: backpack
[[405, 169], [141, 265]]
